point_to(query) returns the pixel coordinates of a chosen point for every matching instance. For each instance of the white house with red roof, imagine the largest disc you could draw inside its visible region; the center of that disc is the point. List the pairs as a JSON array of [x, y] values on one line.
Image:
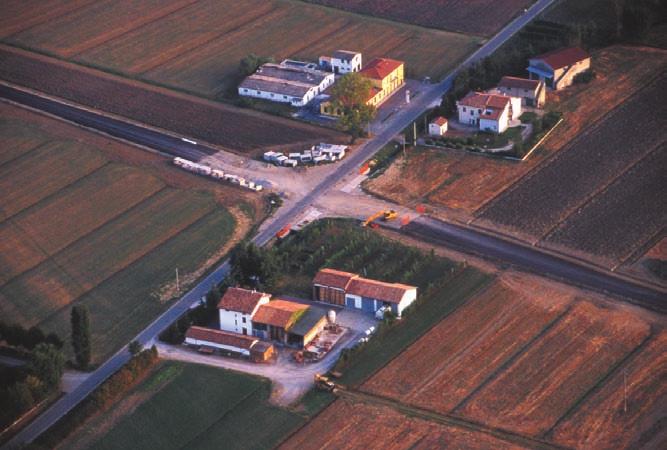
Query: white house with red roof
[[438, 126], [490, 112], [352, 291], [237, 308], [531, 92], [559, 67]]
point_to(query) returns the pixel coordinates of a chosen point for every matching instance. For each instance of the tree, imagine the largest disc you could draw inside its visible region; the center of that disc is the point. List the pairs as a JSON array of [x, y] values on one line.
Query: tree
[[20, 397], [350, 94], [253, 266], [47, 363], [81, 341], [251, 62], [135, 347], [213, 298]]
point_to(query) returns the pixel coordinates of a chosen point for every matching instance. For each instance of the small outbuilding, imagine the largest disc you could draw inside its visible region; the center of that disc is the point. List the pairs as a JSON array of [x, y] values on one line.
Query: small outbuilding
[[438, 126]]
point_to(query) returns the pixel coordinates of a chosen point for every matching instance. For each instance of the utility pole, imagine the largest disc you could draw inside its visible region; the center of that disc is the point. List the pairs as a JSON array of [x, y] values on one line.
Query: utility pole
[[414, 133], [178, 288], [625, 390]]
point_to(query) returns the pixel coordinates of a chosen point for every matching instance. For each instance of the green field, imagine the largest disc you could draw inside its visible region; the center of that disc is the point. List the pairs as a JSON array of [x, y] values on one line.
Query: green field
[[344, 245], [197, 46], [191, 406], [82, 227]]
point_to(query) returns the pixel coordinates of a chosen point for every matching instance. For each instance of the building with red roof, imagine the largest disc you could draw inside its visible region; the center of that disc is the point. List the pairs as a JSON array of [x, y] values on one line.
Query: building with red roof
[[387, 76], [559, 67], [490, 112], [531, 92], [208, 338], [237, 307], [438, 126], [352, 291]]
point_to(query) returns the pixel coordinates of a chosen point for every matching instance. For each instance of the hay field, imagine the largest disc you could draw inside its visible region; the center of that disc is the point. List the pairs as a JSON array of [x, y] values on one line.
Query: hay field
[[190, 406], [91, 221], [197, 46]]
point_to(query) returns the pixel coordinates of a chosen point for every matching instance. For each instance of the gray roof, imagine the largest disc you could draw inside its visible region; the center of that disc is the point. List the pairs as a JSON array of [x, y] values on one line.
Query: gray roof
[[308, 320], [344, 54], [292, 73], [277, 86]]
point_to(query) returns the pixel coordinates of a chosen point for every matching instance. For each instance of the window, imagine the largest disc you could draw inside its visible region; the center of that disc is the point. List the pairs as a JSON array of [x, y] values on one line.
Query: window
[[243, 319], [285, 97], [464, 109], [259, 92], [479, 111], [271, 95], [245, 89]]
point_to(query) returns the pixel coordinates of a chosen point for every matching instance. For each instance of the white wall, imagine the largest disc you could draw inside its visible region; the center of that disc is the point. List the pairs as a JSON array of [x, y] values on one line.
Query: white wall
[[516, 107], [233, 321], [354, 65], [408, 298], [435, 130], [468, 115], [231, 348], [355, 298]]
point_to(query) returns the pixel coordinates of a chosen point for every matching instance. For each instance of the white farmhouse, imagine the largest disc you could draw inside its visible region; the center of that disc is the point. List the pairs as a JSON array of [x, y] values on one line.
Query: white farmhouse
[[490, 112], [293, 82], [237, 307], [342, 61]]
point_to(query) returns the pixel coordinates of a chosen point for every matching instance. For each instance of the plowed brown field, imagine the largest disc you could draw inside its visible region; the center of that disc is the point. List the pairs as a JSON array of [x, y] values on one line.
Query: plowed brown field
[[540, 385], [602, 422], [346, 425], [455, 357]]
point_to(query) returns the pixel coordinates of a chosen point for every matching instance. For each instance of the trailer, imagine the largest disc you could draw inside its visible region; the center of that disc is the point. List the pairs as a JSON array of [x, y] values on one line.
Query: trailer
[[290, 163]]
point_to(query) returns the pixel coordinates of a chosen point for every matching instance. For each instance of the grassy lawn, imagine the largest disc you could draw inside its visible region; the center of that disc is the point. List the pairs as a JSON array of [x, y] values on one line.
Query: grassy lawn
[[343, 244], [191, 406]]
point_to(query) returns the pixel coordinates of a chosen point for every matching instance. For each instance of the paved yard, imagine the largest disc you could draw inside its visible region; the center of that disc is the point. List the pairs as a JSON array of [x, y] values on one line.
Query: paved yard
[[290, 380]]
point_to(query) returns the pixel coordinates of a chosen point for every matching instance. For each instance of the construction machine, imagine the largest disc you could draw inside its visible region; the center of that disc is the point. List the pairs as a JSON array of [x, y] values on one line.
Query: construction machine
[[324, 383], [387, 214]]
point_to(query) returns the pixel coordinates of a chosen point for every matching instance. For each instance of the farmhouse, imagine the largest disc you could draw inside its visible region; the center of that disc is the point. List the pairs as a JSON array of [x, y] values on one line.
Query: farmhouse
[[559, 67], [531, 92], [490, 112], [237, 307], [232, 342], [437, 127], [386, 75], [289, 323], [352, 291], [293, 82], [341, 62]]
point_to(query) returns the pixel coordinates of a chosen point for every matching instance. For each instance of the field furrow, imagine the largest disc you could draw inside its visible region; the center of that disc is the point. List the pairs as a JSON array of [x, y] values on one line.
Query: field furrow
[[43, 172], [339, 427], [571, 358], [94, 24], [16, 140], [602, 421], [586, 166], [172, 36], [639, 193], [41, 231], [18, 15], [444, 366]]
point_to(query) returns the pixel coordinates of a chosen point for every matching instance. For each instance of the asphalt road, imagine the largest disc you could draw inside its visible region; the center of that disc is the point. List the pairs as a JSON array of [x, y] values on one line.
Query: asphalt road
[[173, 145], [534, 260]]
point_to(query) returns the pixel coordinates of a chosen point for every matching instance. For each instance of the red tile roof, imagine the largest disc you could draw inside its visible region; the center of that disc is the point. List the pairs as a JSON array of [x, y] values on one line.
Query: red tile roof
[[221, 337], [519, 83], [333, 278], [440, 121], [481, 100], [557, 59], [379, 68], [241, 300], [279, 313], [388, 292]]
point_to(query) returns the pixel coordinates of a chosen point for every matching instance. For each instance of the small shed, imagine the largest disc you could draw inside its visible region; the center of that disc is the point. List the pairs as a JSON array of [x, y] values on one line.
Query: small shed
[[261, 351], [438, 126]]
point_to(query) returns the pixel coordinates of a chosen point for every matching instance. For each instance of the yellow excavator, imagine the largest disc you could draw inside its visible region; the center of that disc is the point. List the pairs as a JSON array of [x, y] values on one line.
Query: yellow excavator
[[388, 214]]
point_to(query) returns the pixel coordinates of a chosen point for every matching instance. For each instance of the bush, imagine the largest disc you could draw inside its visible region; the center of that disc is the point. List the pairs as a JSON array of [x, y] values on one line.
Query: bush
[[135, 347], [17, 336], [584, 77]]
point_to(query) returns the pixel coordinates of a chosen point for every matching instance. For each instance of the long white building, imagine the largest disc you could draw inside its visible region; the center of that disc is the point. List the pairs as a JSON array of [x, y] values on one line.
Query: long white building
[[293, 82]]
